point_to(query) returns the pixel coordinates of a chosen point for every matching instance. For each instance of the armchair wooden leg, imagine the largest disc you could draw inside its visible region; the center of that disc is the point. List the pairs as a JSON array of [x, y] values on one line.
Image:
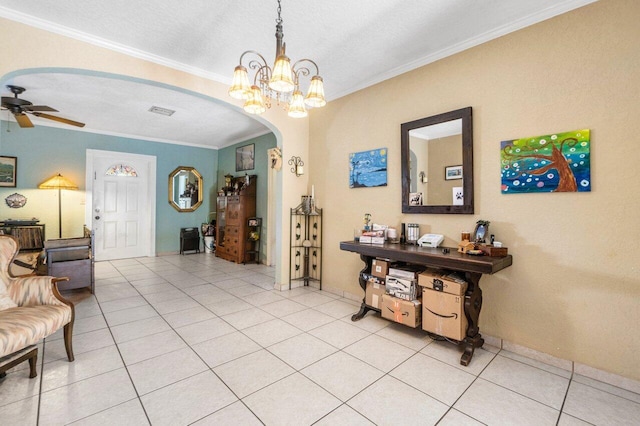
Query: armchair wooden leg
[[68, 334], [33, 372]]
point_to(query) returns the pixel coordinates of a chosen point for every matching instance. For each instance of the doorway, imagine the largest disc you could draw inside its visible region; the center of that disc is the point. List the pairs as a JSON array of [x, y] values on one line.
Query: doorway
[[121, 203]]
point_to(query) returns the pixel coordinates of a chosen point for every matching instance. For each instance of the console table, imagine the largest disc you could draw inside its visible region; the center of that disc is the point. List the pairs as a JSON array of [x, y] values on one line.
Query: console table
[[471, 266]]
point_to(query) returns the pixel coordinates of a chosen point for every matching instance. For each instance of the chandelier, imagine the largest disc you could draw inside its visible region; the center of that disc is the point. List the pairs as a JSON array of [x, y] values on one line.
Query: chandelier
[[280, 83]]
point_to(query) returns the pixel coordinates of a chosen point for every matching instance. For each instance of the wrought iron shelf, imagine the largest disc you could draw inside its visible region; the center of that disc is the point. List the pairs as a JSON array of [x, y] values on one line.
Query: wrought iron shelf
[[305, 242]]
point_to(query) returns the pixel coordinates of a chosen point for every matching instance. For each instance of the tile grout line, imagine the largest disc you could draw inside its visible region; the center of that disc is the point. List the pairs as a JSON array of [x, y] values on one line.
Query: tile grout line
[[196, 353]]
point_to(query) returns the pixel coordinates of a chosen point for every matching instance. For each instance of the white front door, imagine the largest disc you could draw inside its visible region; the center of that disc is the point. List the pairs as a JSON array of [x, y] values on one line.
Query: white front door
[[122, 204]]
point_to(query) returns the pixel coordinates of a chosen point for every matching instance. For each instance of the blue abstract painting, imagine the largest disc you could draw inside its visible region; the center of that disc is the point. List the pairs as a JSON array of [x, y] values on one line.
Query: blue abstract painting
[[368, 168], [560, 162]]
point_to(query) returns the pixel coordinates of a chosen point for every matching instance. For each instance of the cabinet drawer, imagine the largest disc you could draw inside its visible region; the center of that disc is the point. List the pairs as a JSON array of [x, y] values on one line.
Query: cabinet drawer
[[233, 213], [78, 272], [231, 231]]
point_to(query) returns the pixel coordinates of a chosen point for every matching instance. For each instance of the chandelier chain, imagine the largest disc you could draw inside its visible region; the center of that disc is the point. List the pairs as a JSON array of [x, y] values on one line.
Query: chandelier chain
[[279, 20]]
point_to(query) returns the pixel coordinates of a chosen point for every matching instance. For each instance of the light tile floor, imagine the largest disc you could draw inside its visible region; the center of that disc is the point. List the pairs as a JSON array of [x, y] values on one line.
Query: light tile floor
[[196, 340]]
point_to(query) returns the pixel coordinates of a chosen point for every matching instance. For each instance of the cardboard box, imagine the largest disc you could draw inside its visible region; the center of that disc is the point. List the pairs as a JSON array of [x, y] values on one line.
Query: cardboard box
[[438, 280], [380, 268], [443, 314], [408, 272], [373, 294], [401, 288], [405, 312], [371, 239]]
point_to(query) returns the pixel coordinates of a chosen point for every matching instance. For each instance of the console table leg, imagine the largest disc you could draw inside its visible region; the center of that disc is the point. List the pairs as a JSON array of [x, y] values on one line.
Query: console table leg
[[470, 345], [362, 312], [472, 307], [363, 283]]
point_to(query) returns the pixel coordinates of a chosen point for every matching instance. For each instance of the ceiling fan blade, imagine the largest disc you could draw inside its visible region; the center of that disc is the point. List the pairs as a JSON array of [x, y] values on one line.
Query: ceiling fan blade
[[60, 119], [39, 108], [23, 120]]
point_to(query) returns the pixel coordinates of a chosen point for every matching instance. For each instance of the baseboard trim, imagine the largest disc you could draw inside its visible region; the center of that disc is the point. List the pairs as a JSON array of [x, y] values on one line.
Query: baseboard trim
[[572, 366]]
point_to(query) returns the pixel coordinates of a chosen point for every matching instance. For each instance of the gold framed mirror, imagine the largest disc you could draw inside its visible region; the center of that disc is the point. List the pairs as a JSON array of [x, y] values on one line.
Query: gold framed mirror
[[185, 189]]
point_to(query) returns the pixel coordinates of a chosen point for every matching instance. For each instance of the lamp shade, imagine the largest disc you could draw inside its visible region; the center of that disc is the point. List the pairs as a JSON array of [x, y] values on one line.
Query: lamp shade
[[255, 104], [282, 77], [296, 107], [58, 182], [315, 96], [240, 87]]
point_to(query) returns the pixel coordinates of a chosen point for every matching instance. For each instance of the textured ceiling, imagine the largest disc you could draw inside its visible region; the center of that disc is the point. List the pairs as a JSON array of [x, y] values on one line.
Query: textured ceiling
[[356, 44]]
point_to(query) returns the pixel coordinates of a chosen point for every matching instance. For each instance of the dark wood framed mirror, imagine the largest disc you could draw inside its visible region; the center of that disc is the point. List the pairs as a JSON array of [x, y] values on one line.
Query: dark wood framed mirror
[[437, 164], [185, 189]]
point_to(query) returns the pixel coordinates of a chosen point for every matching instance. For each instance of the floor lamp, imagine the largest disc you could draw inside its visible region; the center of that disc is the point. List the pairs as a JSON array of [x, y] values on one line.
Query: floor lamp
[[58, 182]]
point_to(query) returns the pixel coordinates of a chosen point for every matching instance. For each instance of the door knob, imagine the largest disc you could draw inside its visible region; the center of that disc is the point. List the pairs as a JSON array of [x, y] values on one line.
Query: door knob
[[97, 218]]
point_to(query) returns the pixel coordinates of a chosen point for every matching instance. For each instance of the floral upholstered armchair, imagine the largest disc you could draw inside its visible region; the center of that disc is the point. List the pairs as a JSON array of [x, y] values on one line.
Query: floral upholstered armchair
[[31, 308]]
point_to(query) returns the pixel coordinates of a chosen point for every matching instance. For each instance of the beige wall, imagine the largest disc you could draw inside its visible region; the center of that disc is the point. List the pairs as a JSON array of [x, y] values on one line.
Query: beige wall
[[24, 47], [443, 152], [573, 290]]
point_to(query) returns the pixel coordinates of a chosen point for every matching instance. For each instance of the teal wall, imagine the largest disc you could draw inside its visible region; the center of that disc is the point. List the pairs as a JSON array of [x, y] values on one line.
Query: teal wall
[[227, 165], [45, 151]]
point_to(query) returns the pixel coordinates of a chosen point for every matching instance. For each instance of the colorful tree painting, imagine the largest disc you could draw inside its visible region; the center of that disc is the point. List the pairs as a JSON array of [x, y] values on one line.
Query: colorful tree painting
[[551, 163]]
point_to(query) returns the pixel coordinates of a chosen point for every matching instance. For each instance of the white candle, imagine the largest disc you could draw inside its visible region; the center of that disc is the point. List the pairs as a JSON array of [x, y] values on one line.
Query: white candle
[[312, 191]]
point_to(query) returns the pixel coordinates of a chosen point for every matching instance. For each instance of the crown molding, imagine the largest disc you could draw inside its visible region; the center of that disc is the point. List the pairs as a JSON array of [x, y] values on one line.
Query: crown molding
[[107, 44], [548, 13]]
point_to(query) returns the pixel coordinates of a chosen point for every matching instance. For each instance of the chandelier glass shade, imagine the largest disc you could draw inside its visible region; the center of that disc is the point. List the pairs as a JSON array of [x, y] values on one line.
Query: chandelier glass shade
[[280, 83]]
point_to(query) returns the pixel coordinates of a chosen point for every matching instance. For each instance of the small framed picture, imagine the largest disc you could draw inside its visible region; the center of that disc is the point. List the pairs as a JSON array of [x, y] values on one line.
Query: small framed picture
[[8, 171], [245, 156], [457, 196], [452, 172], [415, 198]]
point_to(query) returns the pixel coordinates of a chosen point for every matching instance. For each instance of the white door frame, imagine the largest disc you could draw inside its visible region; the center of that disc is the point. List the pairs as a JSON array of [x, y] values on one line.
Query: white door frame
[[151, 189]]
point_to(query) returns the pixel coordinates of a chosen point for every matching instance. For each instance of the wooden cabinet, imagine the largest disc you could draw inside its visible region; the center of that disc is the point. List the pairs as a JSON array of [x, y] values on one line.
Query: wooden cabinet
[[233, 210]]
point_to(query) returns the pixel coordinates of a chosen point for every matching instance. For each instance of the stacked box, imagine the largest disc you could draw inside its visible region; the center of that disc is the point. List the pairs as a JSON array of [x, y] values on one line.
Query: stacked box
[[438, 280], [405, 312], [408, 272], [372, 237], [402, 288], [443, 304], [373, 294], [380, 268]]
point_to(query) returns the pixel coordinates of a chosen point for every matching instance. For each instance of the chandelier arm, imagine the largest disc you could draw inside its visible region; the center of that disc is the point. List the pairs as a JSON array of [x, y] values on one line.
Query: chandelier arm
[[296, 63], [264, 61]]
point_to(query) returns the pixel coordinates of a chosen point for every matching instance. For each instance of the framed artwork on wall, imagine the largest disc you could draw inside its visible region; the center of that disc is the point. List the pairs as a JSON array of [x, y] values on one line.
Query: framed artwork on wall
[[559, 162], [368, 168], [453, 172], [245, 158], [8, 171]]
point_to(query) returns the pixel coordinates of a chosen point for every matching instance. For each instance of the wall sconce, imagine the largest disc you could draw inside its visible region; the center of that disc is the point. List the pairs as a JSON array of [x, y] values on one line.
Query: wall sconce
[[297, 164]]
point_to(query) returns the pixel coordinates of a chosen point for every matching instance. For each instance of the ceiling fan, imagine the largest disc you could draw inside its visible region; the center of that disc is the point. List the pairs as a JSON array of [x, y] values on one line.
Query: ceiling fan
[[21, 107]]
